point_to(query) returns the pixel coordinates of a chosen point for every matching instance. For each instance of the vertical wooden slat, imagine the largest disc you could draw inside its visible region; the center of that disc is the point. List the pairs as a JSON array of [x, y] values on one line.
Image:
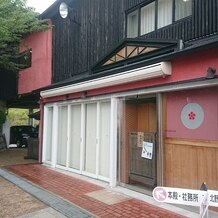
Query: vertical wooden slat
[[76, 48], [207, 170], [188, 163]]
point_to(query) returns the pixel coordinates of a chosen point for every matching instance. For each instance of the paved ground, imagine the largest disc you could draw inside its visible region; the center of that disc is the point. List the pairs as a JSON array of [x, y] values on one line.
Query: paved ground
[[97, 200], [41, 192], [14, 201], [53, 201]]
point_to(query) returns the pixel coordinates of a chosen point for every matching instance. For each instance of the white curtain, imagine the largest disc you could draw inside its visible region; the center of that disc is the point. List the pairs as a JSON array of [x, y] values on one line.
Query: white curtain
[[90, 139], [148, 18], [75, 137], [165, 8], [132, 24], [104, 138], [49, 130], [62, 136], [183, 9]]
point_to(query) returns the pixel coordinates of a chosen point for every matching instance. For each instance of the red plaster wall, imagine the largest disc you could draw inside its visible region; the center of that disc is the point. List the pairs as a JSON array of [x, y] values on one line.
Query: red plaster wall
[[194, 65], [39, 74], [188, 67]]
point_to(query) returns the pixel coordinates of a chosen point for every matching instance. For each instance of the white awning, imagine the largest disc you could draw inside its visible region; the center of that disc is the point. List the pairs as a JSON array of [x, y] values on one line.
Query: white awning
[[161, 69]]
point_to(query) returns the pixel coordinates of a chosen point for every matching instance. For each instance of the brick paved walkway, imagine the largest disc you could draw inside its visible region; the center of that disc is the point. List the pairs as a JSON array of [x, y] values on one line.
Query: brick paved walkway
[[81, 193]]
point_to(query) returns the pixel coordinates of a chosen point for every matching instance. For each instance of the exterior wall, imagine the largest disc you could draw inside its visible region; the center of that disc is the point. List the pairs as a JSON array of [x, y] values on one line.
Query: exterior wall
[[188, 150], [40, 73], [189, 156], [8, 84], [207, 99], [189, 67], [102, 27], [77, 137], [78, 46], [188, 163]]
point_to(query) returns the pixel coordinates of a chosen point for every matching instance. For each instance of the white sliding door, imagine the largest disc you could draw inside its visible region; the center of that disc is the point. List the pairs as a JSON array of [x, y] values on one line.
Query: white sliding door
[[104, 139], [90, 138], [62, 136], [48, 133], [75, 137]]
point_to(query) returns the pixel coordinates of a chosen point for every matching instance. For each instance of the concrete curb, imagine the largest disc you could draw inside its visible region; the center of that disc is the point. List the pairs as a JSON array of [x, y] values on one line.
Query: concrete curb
[[53, 201]]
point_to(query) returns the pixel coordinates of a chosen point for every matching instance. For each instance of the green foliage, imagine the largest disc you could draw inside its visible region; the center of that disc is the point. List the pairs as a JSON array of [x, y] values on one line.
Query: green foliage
[[2, 117], [16, 21], [18, 116]]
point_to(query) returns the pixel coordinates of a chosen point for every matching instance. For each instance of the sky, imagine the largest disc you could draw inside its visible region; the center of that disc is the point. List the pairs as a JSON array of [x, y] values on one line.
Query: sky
[[40, 5]]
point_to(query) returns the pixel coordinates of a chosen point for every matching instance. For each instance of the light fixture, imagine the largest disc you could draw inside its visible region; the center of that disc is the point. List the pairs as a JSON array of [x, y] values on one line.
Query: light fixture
[[63, 10], [210, 73], [66, 11]]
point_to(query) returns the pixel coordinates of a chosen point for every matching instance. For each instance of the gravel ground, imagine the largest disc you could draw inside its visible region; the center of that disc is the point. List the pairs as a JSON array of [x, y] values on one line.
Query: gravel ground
[[15, 202], [14, 156]]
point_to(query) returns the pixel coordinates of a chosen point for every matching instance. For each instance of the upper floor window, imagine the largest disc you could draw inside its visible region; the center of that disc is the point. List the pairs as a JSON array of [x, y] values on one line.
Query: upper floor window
[[164, 13], [183, 8], [132, 24], [155, 15], [147, 18]]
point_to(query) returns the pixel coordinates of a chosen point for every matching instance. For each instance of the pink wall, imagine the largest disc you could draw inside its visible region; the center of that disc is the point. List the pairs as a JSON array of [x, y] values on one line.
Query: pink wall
[[194, 65], [39, 74], [207, 99]]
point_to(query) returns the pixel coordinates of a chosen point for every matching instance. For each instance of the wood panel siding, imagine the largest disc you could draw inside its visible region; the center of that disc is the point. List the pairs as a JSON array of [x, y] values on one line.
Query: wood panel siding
[[205, 19], [101, 26], [178, 30], [188, 163], [77, 47]]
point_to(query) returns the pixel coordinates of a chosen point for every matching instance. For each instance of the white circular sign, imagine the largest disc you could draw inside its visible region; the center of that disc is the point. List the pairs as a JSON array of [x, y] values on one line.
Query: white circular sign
[[192, 115]]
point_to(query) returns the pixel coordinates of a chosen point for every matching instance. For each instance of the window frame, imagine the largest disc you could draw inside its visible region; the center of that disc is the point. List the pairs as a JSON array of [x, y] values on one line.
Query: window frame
[[140, 6]]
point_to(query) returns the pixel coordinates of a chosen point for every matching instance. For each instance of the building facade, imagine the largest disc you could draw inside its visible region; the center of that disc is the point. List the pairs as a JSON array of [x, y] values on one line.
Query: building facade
[[133, 99]]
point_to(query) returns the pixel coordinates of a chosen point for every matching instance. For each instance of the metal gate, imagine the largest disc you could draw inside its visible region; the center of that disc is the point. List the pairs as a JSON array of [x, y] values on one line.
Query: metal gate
[[142, 169]]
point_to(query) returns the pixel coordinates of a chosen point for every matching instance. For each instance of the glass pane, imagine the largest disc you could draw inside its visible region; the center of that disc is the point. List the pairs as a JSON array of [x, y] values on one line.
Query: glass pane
[[74, 161], [90, 138], [104, 147], [49, 134], [132, 24], [164, 12], [148, 18], [183, 9], [62, 136]]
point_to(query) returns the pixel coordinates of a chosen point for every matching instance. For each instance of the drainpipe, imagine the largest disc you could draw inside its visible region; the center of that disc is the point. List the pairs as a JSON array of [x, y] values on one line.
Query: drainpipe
[[30, 120], [40, 131]]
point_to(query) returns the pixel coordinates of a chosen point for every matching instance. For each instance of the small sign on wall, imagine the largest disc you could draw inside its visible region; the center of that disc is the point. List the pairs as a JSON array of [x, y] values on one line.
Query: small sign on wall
[[140, 139], [147, 150]]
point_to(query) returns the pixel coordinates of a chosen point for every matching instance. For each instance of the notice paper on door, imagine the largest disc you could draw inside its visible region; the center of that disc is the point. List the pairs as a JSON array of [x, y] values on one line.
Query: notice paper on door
[[147, 150]]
